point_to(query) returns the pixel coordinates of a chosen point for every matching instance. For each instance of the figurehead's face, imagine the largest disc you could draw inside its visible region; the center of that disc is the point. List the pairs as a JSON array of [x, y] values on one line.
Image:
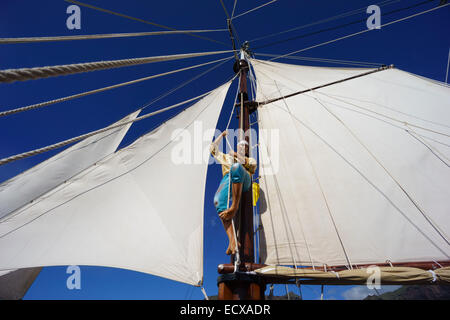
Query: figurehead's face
[[242, 148]]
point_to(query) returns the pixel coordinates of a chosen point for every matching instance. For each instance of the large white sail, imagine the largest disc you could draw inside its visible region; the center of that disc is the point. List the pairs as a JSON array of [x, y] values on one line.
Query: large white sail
[[27, 186], [360, 173], [120, 212]]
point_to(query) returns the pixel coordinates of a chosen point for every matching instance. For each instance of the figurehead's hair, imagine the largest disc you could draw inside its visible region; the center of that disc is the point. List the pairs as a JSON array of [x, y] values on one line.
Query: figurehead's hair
[[243, 142]]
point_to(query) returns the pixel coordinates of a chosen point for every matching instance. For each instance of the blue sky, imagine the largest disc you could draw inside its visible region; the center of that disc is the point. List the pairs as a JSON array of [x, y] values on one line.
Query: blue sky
[[419, 45]]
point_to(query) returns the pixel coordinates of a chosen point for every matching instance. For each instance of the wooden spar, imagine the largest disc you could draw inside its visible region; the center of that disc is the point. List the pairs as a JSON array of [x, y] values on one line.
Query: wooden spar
[[424, 265], [238, 285]]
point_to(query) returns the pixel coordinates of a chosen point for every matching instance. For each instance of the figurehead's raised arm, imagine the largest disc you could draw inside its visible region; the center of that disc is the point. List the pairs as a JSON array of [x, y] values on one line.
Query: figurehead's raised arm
[[214, 148]]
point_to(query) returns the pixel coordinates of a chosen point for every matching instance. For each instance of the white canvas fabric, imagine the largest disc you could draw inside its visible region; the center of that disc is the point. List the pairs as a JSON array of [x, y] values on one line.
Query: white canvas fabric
[[135, 209], [27, 186], [360, 173]]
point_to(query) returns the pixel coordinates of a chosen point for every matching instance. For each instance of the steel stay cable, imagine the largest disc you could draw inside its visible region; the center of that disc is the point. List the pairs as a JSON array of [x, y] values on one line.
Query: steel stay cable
[[251, 10], [341, 26], [99, 36], [139, 20], [342, 15], [360, 32]]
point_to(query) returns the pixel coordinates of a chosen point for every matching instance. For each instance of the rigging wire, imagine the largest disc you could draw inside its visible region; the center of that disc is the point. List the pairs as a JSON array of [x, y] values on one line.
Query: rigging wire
[[429, 147], [90, 169], [360, 32], [448, 65], [82, 94], [99, 36], [230, 26], [23, 74], [389, 117], [92, 133], [342, 15], [225, 9], [373, 185], [334, 97], [409, 130], [341, 26], [234, 7], [251, 10], [319, 184], [326, 60], [184, 84], [284, 216], [368, 181], [140, 20]]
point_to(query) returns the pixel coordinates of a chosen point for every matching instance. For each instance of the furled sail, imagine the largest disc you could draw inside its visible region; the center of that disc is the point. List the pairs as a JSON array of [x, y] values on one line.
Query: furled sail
[[119, 212], [27, 186], [354, 173]]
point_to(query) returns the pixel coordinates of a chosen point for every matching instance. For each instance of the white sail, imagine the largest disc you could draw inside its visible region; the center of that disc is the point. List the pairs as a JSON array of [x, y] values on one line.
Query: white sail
[[27, 186], [360, 173], [136, 209]]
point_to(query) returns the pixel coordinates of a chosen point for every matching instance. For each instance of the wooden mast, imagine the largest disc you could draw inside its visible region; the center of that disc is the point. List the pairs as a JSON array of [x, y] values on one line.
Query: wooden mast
[[241, 285]]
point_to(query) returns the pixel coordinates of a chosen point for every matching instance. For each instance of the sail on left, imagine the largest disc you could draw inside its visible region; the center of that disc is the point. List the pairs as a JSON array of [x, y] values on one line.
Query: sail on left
[[135, 209], [27, 186]]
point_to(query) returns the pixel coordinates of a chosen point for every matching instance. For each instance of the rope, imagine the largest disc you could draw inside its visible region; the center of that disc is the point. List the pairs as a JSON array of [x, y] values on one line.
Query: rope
[[429, 147], [437, 247], [360, 32], [368, 181], [98, 36], [263, 5], [234, 7], [230, 26], [336, 61], [225, 9], [11, 75], [204, 293], [321, 189], [140, 20], [184, 84], [391, 118], [84, 136], [361, 21], [79, 95], [284, 214]]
